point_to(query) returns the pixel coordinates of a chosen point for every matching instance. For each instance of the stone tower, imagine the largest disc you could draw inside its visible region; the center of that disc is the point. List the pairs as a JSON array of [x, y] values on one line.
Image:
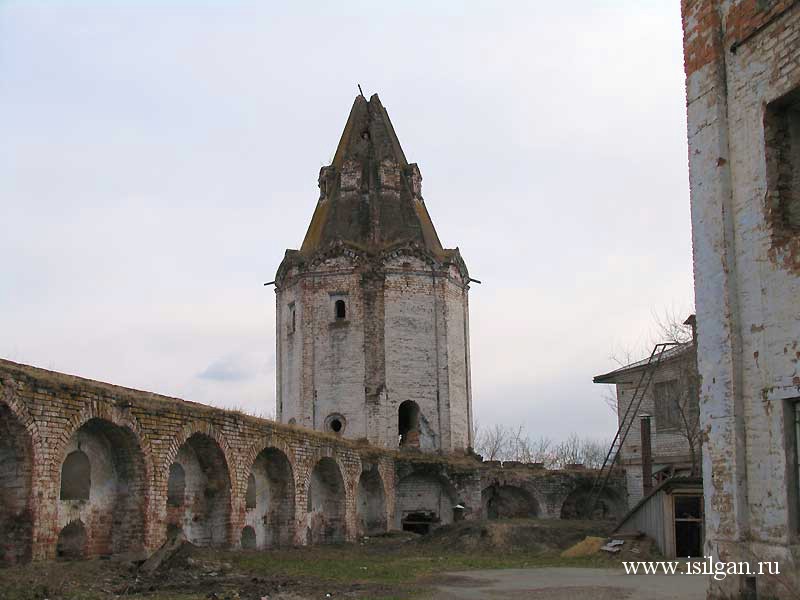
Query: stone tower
[[372, 312]]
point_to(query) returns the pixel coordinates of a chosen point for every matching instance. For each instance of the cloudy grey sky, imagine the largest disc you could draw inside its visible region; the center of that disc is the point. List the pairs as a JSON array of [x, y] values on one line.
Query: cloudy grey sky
[[156, 159]]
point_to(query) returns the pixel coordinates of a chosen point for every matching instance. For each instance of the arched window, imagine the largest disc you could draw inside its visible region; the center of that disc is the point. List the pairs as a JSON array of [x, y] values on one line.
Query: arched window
[[248, 538], [71, 542], [176, 485], [76, 476], [408, 423], [250, 495], [341, 309]]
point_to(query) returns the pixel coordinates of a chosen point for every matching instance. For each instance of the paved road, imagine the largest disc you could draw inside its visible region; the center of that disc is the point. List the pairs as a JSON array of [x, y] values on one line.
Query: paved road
[[569, 584]]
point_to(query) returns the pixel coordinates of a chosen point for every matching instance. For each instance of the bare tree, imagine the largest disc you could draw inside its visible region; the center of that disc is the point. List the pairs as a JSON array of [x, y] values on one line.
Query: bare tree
[[578, 450], [492, 442]]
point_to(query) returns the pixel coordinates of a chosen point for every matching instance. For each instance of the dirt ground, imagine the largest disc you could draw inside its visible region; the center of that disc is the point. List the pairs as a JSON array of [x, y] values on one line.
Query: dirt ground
[[388, 567], [569, 584]]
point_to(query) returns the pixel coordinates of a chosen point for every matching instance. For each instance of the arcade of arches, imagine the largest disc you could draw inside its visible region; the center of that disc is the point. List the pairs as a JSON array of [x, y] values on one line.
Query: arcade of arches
[[116, 471]]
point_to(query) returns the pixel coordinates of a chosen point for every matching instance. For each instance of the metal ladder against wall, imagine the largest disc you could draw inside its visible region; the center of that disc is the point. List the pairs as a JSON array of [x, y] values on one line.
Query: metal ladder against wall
[[645, 379]]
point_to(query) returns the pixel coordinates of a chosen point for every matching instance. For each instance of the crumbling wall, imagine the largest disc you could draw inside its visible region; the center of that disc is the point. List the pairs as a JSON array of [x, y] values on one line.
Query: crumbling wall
[[271, 513], [157, 465], [326, 502], [106, 494], [371, 502], [204, 515], [513, 489], [430, 494]]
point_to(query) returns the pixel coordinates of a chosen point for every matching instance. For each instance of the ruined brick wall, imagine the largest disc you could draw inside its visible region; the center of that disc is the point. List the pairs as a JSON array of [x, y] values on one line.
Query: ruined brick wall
[[512, 489], [405, 338], [430, 487], [742, 61], [143, 465]]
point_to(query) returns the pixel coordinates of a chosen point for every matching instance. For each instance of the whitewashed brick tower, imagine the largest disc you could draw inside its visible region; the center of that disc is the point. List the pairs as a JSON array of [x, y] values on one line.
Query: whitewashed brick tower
[[372, 312]]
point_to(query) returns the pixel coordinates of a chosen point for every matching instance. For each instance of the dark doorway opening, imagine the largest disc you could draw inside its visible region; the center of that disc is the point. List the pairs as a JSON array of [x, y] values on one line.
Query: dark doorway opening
[[688, 526], [408, 424], [420, 522]]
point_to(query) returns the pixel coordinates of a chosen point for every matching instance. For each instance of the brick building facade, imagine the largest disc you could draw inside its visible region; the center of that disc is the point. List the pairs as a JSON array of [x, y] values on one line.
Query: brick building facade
[[670, 404], [742, 61]]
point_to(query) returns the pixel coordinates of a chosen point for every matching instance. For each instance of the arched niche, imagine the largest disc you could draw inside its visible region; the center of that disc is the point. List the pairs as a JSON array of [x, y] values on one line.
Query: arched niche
[[424, 501], [508, 502], [326, 504], [103, 488], [204, 515], [270, 507], [371, 503], [16, 475]]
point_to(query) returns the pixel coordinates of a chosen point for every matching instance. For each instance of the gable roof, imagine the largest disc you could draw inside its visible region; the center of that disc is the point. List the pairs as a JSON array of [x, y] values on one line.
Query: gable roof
[[669, 354]]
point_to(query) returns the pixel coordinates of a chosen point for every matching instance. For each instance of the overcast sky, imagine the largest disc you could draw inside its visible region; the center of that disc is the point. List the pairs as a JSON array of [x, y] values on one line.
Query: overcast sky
[[157, 158]]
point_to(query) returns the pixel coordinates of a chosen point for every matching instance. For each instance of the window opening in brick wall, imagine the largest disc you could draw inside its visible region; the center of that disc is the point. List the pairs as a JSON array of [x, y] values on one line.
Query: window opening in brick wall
[[250, 496], [667, 401], [176, 485], [782, 151], [292, 318], [76, 476], [340, 309]]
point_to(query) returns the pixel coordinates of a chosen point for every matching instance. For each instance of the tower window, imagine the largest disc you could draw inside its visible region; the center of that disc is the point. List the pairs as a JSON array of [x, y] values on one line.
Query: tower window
[[340, 309], [292, 318], [335, 423]]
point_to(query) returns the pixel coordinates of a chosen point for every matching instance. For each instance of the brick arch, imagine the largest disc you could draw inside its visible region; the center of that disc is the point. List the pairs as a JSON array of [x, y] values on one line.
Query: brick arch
[[346, 510], [105, 412], [262, 443], [207, 429], [18, 408], [277, 527], [503, 499], [306, 467], [379, 471], [108, 414], [19, 516], [231, 466]]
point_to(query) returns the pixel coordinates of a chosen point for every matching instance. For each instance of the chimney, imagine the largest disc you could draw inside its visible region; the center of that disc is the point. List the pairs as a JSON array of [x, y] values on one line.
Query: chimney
[[692, 322], [647, 456]]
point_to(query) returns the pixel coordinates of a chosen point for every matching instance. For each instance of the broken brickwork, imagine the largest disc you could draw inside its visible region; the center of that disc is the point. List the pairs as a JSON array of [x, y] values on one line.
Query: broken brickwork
[[526, 490]]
